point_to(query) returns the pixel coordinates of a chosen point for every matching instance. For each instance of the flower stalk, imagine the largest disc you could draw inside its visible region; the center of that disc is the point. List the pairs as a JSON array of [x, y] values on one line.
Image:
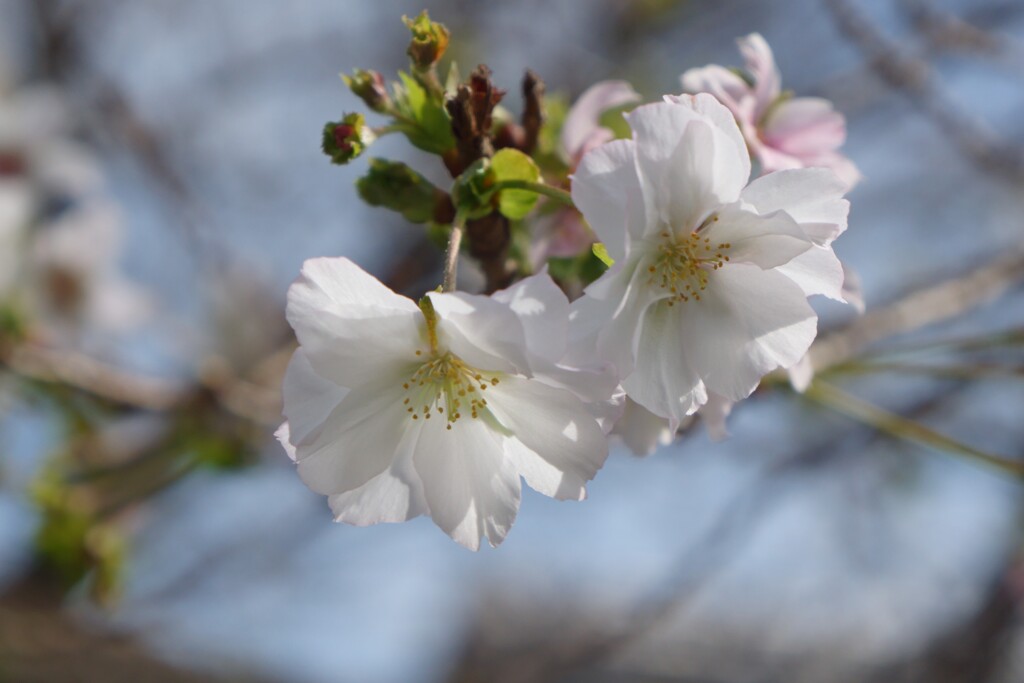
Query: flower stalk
[[451, 255], [556, 193]]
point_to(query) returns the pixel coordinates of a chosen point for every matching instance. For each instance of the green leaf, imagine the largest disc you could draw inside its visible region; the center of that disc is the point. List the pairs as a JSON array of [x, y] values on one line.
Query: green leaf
[[613, 120], [423, 119], [453, 79], [412, 94], [601, 252], [395, 186], [511, 164]]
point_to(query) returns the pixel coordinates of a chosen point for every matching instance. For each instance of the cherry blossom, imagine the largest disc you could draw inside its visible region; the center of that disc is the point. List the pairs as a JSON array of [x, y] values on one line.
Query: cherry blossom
[[582, 130], [709, 287], [396, 410], [782, 131]]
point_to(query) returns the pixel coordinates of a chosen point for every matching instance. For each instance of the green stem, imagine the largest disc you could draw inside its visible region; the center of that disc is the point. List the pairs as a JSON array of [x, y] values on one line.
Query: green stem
[[429, 80], [555, 193], [381, 131], [904, 428], [451, 255]]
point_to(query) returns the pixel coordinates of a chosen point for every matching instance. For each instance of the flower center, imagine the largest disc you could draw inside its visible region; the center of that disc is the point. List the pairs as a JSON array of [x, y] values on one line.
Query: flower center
[[681, 264], [447, 386]]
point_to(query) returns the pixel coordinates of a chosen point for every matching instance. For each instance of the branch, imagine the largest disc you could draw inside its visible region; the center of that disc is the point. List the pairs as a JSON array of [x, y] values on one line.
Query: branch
[[919, 308], [913, 77]]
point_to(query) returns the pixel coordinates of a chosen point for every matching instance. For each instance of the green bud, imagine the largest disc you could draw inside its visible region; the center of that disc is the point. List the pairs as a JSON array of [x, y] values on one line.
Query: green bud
[[395, 186], [369, 86], [429, 40], [345, 140]]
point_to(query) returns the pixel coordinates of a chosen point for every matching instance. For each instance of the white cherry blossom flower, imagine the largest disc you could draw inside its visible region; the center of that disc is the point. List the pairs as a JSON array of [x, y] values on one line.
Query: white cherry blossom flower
[[711, 277], [396, 410], [782, 131]]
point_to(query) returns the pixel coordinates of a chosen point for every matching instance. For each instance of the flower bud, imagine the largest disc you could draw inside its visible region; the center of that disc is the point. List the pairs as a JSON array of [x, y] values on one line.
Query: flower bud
[[395, 186], [429, 40], [370, 88], [345, 140]]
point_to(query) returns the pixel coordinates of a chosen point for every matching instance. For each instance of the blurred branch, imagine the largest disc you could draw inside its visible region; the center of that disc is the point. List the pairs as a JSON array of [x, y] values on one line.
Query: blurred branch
[[919, 308], [903, 428], [978, 649], [104, 381], [39, 642], [240, 397], [948, 31], [913, 77]]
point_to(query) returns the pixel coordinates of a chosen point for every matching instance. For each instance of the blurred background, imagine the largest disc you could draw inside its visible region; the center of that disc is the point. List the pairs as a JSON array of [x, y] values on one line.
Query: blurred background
[[165, 154]]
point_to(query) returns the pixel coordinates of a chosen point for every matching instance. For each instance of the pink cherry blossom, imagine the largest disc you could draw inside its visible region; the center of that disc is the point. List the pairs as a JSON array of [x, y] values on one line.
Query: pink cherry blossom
[[782, 132]]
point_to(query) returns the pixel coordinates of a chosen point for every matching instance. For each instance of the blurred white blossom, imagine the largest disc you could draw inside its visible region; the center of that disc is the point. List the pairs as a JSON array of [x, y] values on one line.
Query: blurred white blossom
[[60, 234]]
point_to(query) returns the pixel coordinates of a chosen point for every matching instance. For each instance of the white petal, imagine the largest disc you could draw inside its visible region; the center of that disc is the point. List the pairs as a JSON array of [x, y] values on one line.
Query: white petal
[[346, 284], [284, 437], [748, 322], [351, 327], [591, 384], [357, 441], [685, 171], [309, 398], [618, 339], [606, 190], [765, 240], [802, 374], [687, 165], [394, 495], [816, 271], [641, 430], [543, 311], [558, 444], [665, 380], [590, 314], [725, 121], [812, 196], [714, 414], [482, 331], [472, 490]]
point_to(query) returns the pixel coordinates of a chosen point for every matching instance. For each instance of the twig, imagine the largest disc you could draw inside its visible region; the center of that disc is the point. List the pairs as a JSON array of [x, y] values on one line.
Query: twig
[[95, 377], [913, 77], [920, 308], [451, 255]]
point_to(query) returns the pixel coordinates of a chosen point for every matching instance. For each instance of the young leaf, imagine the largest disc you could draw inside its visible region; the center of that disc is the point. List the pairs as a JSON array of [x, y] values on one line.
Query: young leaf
[[511, 164], [601, 252]]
